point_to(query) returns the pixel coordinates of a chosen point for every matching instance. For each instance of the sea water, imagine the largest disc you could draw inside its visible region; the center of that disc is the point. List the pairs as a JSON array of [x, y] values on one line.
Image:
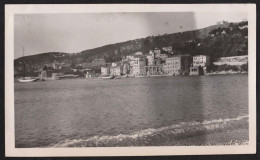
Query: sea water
[[145, 111]]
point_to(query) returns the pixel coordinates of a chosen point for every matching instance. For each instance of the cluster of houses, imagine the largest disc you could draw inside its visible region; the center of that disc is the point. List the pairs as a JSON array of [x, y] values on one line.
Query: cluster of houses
[[157, 63], [166, 63]]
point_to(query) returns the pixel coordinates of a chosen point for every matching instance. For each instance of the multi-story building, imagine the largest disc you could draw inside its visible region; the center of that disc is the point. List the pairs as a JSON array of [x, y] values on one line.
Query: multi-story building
[[150, 59], [116, 71], [105, 71], [154, 62], [200, 65], [137, 66], [197, 70], [157, 52], [126, 69], [201, 60], [177, 65]]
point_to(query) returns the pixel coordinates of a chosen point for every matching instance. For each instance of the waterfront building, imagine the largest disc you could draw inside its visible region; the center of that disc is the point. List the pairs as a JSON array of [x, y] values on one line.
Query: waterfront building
[[105, 71], [197, 70], [116, 71], [201, 60], [126, 69], [154, 69], [233, 61], [90, 73], [137, 66], [154, 64], [177, 65]]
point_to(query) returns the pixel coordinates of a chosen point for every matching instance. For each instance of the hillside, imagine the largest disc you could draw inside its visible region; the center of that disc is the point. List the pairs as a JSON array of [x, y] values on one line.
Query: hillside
[[227, 39]]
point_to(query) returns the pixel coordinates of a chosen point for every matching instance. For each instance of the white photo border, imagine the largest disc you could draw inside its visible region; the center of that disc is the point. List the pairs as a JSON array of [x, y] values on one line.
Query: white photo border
[[11, 10]]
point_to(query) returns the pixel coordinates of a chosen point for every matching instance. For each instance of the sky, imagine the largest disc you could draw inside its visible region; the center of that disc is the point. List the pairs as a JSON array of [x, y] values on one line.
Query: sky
[[75, 32]]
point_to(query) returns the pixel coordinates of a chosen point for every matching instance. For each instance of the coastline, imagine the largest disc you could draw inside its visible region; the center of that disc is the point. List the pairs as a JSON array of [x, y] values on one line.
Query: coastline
[[224, 138], [100, 78]]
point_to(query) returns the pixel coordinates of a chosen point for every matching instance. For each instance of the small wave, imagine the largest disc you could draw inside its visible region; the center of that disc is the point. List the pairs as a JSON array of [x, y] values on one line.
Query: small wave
[[151, 136]]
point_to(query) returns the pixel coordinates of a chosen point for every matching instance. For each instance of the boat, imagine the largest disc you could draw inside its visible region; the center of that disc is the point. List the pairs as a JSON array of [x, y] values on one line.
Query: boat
[[139, 76], [125, 76], [108, 77], [26, 79], [67, 76], [118, 77]]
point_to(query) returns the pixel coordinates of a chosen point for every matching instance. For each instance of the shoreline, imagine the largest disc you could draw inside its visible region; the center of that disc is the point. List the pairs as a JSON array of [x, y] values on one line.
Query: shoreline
[[99, 78], [223, 138]]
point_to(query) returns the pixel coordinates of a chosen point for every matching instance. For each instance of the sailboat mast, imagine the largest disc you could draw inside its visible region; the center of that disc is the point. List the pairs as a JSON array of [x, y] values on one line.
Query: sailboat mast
[[23, 63]]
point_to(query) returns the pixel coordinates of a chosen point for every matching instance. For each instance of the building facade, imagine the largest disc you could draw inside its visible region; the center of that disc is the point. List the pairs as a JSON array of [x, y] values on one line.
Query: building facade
[[154, 69], [116, 71], [177, 65], [137, 66], [105, 71], [194, 71], [157, 52], [201, 60], [233, 61], [150, 60], [126, 69]]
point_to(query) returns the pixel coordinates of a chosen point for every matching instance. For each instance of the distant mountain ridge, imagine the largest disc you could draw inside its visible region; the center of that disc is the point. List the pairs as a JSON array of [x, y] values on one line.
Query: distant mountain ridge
[[221, 40]]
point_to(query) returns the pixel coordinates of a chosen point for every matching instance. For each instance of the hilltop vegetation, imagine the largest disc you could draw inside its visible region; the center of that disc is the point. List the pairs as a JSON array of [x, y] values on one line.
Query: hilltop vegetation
[[222, 40]]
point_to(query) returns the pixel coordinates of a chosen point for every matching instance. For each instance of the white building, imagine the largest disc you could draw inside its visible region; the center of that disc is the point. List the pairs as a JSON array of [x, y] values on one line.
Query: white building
[[150, 60], [234, 60], [105, 71], [201, 60], [177, 65], [137, 66], [116, 71], [157, 52]]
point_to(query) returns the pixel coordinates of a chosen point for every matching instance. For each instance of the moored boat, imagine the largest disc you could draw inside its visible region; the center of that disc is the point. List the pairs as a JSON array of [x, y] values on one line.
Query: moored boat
[[24, 80], [108, 77], [66, 76]]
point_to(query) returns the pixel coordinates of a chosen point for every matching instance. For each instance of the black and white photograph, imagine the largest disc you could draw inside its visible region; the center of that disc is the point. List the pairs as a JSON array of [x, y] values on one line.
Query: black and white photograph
[[129, 77]]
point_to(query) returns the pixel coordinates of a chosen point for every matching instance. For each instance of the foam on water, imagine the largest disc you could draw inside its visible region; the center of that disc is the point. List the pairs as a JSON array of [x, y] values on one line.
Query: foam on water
[[159, 136]]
